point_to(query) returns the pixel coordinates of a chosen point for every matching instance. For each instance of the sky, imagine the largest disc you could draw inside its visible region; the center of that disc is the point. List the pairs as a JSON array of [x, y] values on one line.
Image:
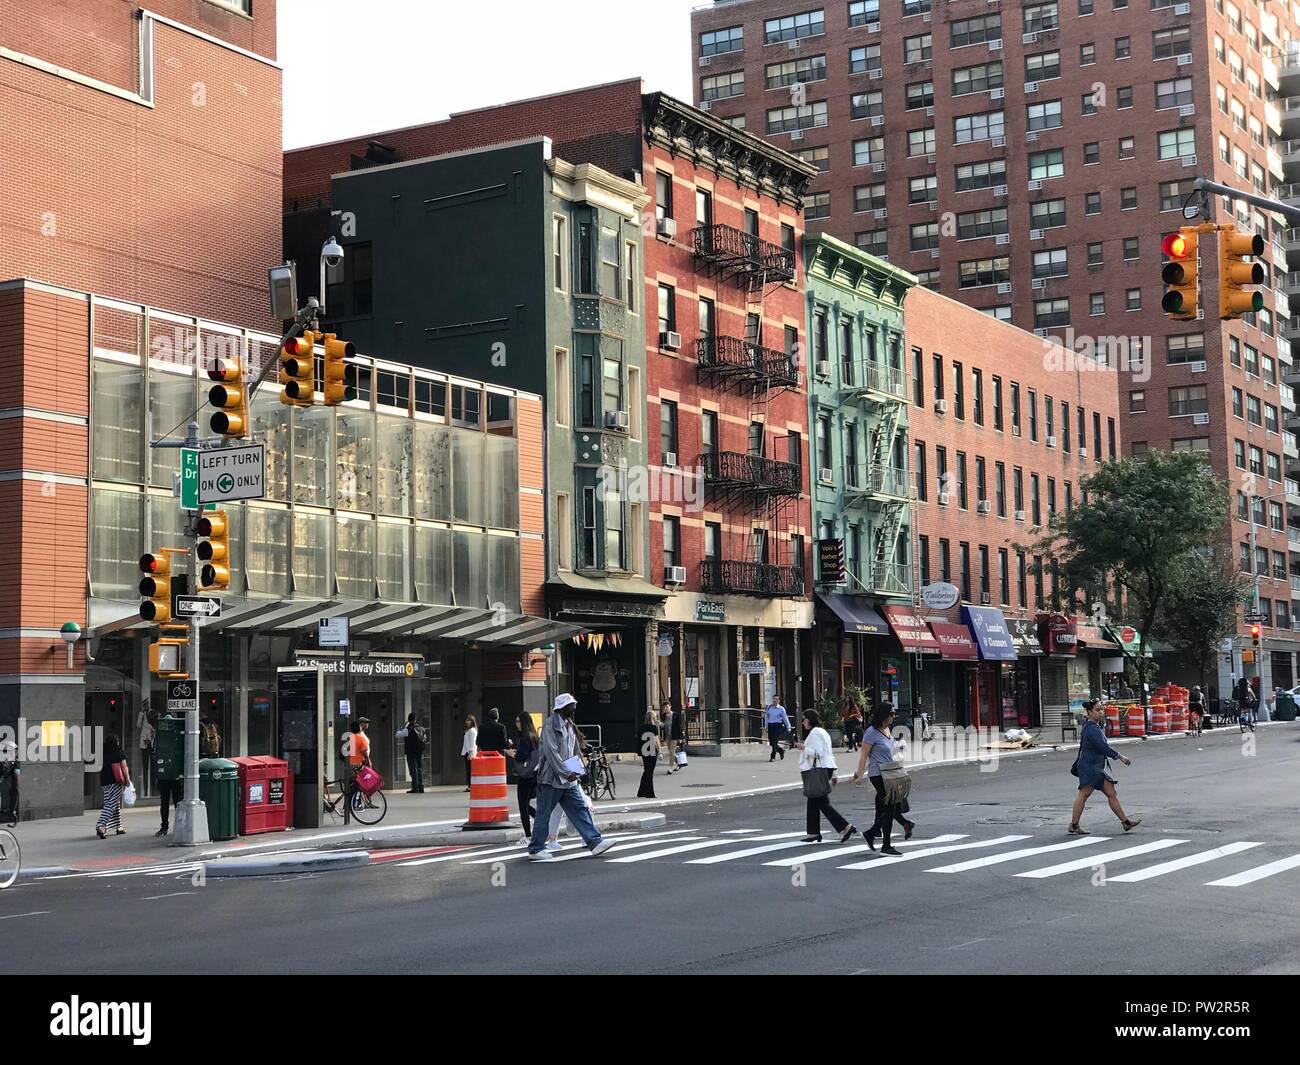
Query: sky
[[402, 62]]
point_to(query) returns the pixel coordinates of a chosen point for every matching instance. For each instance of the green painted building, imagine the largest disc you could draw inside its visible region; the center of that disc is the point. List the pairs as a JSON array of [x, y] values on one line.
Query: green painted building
[[861, 498]]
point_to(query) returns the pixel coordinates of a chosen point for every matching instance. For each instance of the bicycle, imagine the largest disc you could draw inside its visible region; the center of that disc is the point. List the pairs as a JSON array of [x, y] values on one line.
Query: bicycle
[[365, 809], [1247, 719], [11, 858], [599, 781]]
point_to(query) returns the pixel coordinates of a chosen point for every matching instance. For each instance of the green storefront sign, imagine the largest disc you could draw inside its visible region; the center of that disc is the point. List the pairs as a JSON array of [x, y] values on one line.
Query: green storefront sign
[[706, 610], [1127, 637]]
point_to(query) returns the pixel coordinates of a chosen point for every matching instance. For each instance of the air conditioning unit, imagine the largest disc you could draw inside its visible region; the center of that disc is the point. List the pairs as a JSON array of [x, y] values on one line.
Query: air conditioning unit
[[943, 498], [1182, 9], [995, 45], [1005, 288], [879, 168], [882, 212], [825, 475], [930, 158], [1040, 283], [876, 74], [1200, 419], [1083, 452], [1030, 38], [1197, 367], [616, 419], [997, 94], [823, 367], [674, 575], [1031, 86], [877, 120], [1015, 432], [792, 45], [1002, 238], [926, 17], [670, 341], [934, 253], [986, 598], [985, 507], [873, 27], [1189, 160], [1020, 515], [1035, 184], [1187, 110], [706, 105], [1000, 190], [929, 112], [1040, 331], [1051, 441], [670, 460], [940, 406], [796, 134], [1000, 142], [1185, 60], [705, 60], [1032, 135], [666, 227]]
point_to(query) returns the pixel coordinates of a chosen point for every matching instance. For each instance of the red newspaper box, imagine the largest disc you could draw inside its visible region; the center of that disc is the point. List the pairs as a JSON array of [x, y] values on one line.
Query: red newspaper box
[[265, 794]]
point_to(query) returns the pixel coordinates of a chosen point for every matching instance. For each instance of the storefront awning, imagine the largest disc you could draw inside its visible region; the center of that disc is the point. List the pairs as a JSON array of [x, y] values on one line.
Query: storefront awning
[[955, 643], [911, 630], [858, 616], [619, 587], [1024, 637], [1094, 639], [992, 636]]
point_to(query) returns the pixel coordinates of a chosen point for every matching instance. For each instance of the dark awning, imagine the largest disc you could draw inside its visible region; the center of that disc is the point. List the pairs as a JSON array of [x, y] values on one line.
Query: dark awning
[[955, 643], [856, 613], [1024, 635], [911, 630]]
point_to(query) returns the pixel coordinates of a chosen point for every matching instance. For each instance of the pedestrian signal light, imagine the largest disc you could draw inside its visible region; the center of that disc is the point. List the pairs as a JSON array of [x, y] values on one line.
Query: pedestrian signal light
[[165, 657], [156, 588], [298, 370], [1235, 273], [230, 397], [1254, 635], [340, 378], [213, 550], [1180, 275]]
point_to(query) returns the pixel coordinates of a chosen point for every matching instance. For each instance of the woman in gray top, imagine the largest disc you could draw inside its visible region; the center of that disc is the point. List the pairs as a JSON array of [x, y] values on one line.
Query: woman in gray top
[[878, 750]]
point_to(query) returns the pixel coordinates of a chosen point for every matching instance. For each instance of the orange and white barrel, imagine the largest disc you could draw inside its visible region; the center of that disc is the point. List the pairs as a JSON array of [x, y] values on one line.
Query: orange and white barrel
[[1178, 716], [1159, 716], [489, 802], [1137, 720], [1112, 719]]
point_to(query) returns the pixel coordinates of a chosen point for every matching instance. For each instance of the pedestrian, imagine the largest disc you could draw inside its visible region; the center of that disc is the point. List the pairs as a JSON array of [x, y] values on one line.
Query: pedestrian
[[1090, 767], [817, 765], [778, 725], [9, 770], [413, 735], [666, 735], [209, 739], [469, 746], [526, 755], [649, 756], [171, 786], [114, 778], [853, 727], [877, 751], [1196, 707], [677, 734], [557, 783], [492, 736]]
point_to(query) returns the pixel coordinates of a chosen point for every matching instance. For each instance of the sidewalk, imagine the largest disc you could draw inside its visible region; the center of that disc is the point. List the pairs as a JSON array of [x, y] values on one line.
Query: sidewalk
[[70, 842]]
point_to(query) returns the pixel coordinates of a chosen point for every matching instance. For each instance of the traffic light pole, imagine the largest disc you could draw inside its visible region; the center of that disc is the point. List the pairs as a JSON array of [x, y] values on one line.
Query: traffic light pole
[[1209, 188]]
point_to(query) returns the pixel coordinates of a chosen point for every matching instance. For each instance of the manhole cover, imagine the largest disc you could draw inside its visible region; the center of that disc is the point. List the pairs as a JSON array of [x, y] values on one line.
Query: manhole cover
[[701, 785], [977, 804]]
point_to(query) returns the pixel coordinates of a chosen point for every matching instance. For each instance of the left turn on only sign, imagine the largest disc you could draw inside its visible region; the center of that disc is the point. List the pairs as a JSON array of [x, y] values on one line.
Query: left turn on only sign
[[222, 474]]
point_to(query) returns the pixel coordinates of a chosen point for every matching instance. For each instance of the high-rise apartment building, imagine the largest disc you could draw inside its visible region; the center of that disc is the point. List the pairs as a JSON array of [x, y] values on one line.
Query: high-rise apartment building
[[1027, 158]]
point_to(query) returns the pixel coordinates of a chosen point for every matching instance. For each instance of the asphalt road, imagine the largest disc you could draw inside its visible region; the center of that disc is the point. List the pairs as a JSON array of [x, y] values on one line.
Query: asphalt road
[[717, 908]]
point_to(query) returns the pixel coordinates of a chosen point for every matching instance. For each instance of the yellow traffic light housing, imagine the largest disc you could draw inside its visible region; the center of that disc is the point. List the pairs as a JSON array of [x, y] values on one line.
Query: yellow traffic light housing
[[298, 370], [167, 657], [214, 550], [1235, 273], [340, 378], [1181, 275], [156, 588], [1254, 635], [230, 397]]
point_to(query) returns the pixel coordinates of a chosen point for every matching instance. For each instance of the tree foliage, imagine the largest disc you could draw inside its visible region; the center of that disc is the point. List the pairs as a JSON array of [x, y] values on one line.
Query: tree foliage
[[1202, 605]]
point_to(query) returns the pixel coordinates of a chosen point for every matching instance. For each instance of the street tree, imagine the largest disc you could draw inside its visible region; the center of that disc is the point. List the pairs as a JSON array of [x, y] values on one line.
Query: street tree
[[1206, 590], [1142, 519]]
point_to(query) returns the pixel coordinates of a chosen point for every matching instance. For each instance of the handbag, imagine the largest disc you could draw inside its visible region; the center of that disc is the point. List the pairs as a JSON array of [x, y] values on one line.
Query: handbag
[[401, 734], [128, 796], [817, 782], [119, 775], [896, 782], [368, 780], [681, 759]]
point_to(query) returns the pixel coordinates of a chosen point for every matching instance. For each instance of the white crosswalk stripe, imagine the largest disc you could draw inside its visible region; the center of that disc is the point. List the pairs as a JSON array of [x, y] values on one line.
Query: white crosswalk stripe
[[1258, 873], [926, 852], [824, 853], [627, 846], [750, 852], [741, 831], [696, 847], [1199, 858], [1105, 856], [1012, 856], [522, 852]]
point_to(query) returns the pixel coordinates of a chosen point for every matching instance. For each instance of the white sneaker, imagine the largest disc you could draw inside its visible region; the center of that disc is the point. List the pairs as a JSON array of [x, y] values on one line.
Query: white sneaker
[[601, 847], [540, 856], [552, 845]]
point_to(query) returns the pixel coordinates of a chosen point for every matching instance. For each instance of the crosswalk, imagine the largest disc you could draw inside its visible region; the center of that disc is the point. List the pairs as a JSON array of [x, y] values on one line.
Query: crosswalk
[[1028, 856]]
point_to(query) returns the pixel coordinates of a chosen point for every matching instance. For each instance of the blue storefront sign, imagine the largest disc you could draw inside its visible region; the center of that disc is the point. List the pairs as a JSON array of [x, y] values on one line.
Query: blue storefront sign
[[992, 635]]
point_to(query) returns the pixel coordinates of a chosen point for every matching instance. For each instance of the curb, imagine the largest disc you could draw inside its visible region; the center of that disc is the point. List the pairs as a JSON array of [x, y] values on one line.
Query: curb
[[300, 863]]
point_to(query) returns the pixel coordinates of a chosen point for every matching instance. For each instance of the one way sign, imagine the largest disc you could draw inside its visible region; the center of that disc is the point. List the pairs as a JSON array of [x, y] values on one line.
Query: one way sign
[[198, 606]]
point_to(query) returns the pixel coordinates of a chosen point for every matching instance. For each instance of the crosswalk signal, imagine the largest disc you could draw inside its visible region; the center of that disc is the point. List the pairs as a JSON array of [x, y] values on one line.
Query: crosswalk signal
[[230, 397], [340, 378], [156, 588], [1235, 273], [1254, 635], [298, 370], [214, 550], [1180, 275]]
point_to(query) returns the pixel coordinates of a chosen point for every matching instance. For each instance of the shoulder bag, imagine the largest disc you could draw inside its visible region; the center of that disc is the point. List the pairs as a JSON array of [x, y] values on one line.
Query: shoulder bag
[[817, 781], [897, 783]]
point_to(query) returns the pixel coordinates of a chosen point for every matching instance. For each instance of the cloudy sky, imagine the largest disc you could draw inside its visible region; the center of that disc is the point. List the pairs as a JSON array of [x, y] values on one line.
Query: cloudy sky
[[401, 62]]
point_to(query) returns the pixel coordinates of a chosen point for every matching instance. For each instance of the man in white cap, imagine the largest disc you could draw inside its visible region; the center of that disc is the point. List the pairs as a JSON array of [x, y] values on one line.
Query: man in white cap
[[557, 783]]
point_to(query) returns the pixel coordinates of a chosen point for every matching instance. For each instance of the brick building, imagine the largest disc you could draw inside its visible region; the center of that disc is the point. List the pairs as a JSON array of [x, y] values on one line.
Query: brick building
[[1026, 159]]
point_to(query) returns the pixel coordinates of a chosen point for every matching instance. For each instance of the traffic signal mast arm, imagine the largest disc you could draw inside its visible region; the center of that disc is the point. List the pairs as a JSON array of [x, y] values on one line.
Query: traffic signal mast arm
[[1208, 188]]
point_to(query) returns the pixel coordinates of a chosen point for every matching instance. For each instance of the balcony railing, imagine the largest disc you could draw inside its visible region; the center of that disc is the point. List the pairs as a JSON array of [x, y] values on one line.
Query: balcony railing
[[868, 376], [890, 578], [867, 479], [736, 470], [750, 578], [732, 357], [731, 252]]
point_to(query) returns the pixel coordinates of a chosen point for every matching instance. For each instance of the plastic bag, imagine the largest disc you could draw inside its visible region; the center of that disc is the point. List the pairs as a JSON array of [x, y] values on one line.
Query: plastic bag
[[128, 795]]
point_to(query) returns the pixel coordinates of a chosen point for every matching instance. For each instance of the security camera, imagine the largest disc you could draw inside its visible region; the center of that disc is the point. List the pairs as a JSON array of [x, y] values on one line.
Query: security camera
[[331, 253]]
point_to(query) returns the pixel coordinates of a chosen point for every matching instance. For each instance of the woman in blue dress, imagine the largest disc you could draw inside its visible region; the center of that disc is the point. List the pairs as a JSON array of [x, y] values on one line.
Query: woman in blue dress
[[1094, 755]]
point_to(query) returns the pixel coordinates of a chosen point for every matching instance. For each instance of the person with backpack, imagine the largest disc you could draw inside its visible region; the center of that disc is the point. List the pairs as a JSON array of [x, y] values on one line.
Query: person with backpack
[[1090, 768], [650, 747], [413, 734], [526, 753]]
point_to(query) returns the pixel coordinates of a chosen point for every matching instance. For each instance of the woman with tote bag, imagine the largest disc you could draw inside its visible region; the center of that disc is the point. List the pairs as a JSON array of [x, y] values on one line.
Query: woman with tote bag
[[114, 778], [887, 776], [818, 768]]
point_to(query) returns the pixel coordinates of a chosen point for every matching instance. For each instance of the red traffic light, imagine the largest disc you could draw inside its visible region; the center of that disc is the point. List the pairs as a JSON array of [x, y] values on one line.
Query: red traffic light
[[1254, 630], [1175, 246], [294, 346], [149, 563]]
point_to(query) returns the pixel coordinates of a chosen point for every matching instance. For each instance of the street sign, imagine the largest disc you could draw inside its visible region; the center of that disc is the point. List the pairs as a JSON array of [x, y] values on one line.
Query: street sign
[[332, 632], [189, 479], [1261, 618], [182, 696], [198, 606], [753, 667], [228, 473], [345, 708]]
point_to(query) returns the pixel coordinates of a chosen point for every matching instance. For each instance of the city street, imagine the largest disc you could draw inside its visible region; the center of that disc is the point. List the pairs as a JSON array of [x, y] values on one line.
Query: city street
[[990, 884]]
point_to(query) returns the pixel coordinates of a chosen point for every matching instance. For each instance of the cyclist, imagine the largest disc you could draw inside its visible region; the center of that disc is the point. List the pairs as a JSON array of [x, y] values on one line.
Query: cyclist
[[357, 748], [1196, 707]]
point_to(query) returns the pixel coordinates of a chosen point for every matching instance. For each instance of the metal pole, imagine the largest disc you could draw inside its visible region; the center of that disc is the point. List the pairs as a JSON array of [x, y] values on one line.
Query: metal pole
[[347, 695], [1254, 570], [1204, 185]]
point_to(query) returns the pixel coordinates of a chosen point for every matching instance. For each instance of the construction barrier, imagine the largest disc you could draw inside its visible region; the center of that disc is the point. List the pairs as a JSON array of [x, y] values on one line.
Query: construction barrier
[[1159, 716], [489, 804], [1137, 720], [1112, 719]]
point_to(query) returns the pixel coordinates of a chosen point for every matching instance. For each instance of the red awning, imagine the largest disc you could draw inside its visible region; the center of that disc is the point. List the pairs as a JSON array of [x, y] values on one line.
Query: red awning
[[911, 630], [954, 641]]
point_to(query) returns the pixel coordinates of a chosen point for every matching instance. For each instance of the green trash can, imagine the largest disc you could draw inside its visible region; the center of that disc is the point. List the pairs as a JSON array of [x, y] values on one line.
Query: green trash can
[[219, 790], [1285, 709]]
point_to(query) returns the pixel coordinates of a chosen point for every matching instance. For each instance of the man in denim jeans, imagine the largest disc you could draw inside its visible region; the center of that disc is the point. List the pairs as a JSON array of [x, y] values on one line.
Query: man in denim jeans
[[557, 785]]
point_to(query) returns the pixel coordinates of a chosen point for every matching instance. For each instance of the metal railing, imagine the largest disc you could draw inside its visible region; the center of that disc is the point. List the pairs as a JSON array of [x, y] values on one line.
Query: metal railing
[[726, 725], [739, 252], [757, 471], [734, 357], [869, 479], [874, 377], [750, 578]]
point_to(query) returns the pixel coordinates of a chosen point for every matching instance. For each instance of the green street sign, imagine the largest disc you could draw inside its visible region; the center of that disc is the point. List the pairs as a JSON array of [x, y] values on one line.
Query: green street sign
[[189, 479]]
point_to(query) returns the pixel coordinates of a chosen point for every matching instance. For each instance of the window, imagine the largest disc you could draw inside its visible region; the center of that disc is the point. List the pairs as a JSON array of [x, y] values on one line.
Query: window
[[563, 388], [794, 27], [941, 473], [709, 432], [667, 428], [1000, 488], [1047, 214], [1123, 48], [1256, 461], [1239, 453], [1040, 17], [1132, 299], [1049, 164], [1035, 501], [1018, 490], [1091, 154], [663, 195], [917, 49], [1088, 104], [1176, 144], [1131, 248], [1092, 203], [1053, 312], [938, 376], [862, 12], [997, 403], [869, 197], [630, 279], [1050, 263], [920, 94], [712, 541], [672, 542], [785, 119], [967, 129], [958, 390], [718, 42], [818, 157], [975, 273], [723, 86], [976, 79], [1167, 43], [1015, 409], [962, 498], [795, 71], [918, 378], [922, 484], [1033, 415], [920, 142], [1137, 401], [981, 175], [1124, 97], [924, 189], [924, 236], [1254, 414], [1127, 148], [817, 205], [867, 104], [1087, 55], [975, 30], [1187, 400], [1128, 199], [667, 309], [1173, 194], [1043, 67], [915, 7], [869, 151], [560, 244], [984, 223], [875, 242], [1174, 93], [864, 59], [1095, 254]]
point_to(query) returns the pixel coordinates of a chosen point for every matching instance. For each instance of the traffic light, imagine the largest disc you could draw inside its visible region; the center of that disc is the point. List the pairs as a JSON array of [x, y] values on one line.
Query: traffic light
[[340, 379], [1235, 273], [167, 657], [156, 588], [1254, 635], [230, 397], [213, 550], [1180, 275], [298, 370]]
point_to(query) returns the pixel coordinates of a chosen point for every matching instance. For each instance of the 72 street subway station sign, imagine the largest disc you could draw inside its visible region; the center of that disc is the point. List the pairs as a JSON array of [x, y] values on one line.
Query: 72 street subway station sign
[[222, 474]]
